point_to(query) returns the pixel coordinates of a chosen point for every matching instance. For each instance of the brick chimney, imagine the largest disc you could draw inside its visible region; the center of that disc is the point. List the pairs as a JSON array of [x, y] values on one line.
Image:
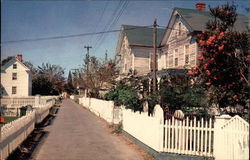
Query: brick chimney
[[19, 57], [200, 6]]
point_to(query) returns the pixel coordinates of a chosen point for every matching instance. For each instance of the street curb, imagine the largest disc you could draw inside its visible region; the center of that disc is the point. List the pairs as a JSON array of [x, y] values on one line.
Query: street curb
[[161, 155]]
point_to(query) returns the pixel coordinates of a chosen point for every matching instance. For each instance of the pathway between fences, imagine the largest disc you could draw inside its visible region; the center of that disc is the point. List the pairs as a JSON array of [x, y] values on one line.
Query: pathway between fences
[[77, 134]]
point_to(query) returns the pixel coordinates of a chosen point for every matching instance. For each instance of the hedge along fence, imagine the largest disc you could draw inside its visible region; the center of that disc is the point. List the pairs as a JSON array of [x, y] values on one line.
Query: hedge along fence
[[14, 133]]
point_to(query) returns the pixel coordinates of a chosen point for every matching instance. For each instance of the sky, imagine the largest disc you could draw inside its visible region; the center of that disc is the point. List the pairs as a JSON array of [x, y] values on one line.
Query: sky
[[34, 19]]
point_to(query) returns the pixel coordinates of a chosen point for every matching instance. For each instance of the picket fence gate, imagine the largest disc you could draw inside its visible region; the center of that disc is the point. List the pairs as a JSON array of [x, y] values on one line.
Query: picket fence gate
[[232, 136], [190, 137]]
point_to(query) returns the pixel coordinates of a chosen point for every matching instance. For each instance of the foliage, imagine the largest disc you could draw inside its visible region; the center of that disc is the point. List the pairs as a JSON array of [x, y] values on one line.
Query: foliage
[[152, 100], [224, 59], [41, 85], [97, 75], [69, 88], [53, 74], [177, 92], [125, 95]]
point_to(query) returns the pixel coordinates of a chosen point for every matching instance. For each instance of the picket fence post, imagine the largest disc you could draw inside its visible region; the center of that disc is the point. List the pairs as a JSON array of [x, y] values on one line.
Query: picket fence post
[[219, 149]]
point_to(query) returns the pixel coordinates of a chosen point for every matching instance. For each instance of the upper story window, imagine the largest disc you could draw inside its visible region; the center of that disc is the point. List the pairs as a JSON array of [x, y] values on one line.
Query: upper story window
[[176, 62], [14, 76], [179, 29], [186, 49], [176, 52], [186, 59], [14, 66], [14, 90]]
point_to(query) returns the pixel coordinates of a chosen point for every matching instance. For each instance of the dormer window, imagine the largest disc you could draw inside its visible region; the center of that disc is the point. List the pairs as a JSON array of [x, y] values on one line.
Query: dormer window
[[14, 66]]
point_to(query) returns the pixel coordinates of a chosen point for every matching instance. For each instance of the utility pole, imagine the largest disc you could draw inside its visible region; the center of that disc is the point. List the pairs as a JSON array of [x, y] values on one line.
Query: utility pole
[[106, 56], [87, 56], [154, 55]]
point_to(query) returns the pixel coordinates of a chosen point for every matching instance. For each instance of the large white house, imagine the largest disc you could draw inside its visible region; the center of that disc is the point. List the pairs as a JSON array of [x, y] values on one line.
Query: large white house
[[16, 78], [135, 49], [177, 46]]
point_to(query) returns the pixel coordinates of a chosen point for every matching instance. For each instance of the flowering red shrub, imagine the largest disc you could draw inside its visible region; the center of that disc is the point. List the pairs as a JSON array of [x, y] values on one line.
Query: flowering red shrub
[[224, 59]]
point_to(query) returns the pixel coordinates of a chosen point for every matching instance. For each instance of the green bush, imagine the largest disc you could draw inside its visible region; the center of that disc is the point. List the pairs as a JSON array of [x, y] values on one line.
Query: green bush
[[179, 97], [124, 95]]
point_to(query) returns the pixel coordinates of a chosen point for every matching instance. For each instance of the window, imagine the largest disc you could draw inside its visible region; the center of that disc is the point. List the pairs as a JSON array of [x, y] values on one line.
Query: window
[[14, 66], [187, 49], [14, 76], [176, 61], [186, 54], [179, 29], [13, 90], [186, 59]]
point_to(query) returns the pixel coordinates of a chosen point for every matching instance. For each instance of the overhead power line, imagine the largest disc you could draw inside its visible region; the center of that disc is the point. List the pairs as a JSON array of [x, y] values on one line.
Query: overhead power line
[[117, 14], [77, 35]]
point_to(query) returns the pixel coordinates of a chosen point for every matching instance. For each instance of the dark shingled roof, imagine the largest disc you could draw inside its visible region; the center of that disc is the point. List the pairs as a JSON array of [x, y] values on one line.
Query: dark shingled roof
[[198, 19], [142, 36]]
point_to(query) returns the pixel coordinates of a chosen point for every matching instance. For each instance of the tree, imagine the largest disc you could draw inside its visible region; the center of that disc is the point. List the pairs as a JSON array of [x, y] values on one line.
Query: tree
[[97, 75], [41, 85], [55, 75], [224, 59]]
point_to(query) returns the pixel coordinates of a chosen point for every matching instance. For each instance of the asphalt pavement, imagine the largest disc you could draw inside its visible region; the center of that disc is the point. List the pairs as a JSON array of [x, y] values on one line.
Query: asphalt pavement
[[77, 134]]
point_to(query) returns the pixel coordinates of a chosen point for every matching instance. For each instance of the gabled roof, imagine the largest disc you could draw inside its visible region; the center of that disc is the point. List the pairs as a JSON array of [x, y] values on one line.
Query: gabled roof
[[142, 36], [198, 19], [12, 61], [139, 36]]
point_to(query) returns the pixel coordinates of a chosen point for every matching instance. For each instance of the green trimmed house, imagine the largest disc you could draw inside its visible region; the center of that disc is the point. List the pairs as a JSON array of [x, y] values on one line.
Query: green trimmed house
[[135, 48], [177, 46]]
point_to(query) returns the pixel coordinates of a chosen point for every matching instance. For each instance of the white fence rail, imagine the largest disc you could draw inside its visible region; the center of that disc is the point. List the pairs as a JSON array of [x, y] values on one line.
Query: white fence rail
[[221, 138], [14, 133]]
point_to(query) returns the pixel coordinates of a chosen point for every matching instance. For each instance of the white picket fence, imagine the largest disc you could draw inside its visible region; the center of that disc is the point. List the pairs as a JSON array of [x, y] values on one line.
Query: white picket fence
[[233, 136], [103, 109], [190, 137], [222, 138], [17, 102], [137, 124], [14, 133]]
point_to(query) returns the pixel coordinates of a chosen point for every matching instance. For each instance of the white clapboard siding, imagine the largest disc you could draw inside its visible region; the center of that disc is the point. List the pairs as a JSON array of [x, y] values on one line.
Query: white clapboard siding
[[189, 137]]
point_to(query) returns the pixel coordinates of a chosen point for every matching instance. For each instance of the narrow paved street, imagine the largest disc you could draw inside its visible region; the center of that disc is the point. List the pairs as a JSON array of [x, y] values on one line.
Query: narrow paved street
[[77, 134]]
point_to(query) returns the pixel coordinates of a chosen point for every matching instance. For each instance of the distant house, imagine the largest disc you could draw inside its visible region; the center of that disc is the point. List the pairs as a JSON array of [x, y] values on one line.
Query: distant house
[[135, 49], [16, 78], [179, 47]]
